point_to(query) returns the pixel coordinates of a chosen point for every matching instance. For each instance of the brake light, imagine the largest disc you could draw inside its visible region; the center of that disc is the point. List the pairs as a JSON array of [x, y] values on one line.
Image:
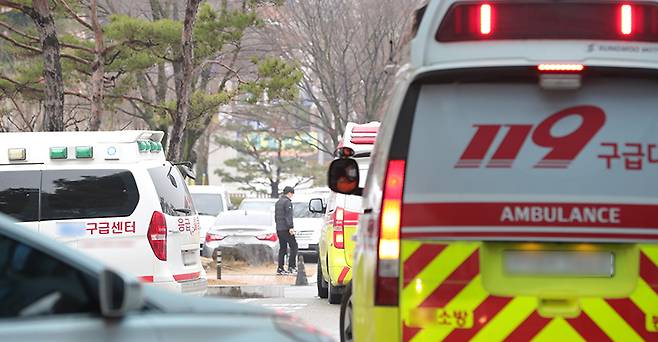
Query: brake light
[[157, 235], [339, 225], [626, 19], [213, 237], [561, 67], [268, 237], [485, 19], [388, 251]]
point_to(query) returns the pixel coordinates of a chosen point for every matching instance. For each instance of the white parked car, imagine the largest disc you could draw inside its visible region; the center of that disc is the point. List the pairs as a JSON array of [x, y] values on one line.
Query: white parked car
[[308, 225], [252, 230], [209, 202], [258, 204], [111, 195], [50, 292]]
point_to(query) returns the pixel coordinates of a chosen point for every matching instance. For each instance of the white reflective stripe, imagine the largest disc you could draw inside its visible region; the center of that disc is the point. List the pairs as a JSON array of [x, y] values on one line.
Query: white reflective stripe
[[530, 229], [410, 197]]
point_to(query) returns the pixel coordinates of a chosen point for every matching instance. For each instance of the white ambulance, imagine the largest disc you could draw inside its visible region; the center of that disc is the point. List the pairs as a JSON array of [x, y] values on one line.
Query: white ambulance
[[110, 194]]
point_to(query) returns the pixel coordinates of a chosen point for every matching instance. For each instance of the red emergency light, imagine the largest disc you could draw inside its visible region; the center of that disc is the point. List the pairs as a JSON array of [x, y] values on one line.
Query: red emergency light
[[626, 19], [485, 19], [544, 19]]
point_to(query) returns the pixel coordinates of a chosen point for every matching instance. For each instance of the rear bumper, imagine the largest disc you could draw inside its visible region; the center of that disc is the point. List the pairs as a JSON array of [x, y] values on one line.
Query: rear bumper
[[251, 249], [311, 250], [196, 287]]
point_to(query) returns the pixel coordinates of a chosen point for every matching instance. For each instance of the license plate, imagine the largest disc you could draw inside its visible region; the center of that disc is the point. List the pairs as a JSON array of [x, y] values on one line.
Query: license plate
[[303, 245], [190, 257], [560, 263]]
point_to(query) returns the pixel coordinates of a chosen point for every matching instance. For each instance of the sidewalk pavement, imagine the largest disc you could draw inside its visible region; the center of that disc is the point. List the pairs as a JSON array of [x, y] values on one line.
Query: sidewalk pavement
[[239, 273]]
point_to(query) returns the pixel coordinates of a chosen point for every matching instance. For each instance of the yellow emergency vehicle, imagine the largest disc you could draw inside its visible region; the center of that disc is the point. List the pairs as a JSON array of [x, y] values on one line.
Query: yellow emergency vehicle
[[512, 194]]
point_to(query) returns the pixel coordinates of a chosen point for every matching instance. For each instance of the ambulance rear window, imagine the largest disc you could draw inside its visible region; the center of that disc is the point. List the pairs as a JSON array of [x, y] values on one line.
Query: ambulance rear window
[[174, 196], [498, 154], [19, 194], [78, 194]]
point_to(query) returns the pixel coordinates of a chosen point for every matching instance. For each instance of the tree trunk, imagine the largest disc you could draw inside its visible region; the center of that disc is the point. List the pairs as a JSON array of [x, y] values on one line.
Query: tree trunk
[[183, 101], [52, 68], [98, 70], [203, 150], [274, 187]]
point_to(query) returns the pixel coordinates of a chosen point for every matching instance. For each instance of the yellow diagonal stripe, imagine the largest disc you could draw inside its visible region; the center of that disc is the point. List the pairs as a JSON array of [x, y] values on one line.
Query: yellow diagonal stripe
[[645, 298], [507, 320], [608, 320], [435, 273], [558, 329], [468, 300], [408, 248], [651, 251]]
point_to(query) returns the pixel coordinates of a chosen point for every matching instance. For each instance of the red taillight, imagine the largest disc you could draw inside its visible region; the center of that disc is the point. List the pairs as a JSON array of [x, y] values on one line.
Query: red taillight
[[268, 237], [213, 237], [485, 19], [157, 235], [339, 239], [388, 248], [561, 67], [626, 19], [339, 225]]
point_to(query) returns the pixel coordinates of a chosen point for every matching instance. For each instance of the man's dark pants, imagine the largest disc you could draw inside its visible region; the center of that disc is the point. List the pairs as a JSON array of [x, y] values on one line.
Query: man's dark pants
[[286, 239]]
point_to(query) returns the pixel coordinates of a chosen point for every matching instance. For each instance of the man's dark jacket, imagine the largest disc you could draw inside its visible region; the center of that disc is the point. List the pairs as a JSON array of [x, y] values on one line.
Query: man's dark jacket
[[283, 213]]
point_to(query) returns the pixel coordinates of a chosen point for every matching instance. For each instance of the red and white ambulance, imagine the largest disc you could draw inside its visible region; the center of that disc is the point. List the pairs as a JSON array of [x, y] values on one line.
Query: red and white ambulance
[[109, 194]]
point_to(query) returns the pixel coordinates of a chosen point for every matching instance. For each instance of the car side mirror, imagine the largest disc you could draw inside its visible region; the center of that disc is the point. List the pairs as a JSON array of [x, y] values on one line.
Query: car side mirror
[[343, 177], [316, 205], [118, 296]]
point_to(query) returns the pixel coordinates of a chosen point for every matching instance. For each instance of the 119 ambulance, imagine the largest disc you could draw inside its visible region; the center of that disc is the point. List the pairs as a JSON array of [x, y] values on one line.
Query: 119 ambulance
[[512, 193]]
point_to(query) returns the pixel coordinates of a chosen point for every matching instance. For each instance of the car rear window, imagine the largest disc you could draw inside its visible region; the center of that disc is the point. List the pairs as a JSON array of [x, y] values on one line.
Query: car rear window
[[208, 204], [19, 194], [257, 205], [78, 194], [175, 198]]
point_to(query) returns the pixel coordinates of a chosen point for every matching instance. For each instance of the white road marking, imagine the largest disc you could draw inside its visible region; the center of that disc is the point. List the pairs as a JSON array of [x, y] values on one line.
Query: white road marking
[[286, 308]]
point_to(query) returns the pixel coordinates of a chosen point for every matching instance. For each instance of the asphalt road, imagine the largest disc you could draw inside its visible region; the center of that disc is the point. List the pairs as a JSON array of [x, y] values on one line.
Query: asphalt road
[[304, 303]]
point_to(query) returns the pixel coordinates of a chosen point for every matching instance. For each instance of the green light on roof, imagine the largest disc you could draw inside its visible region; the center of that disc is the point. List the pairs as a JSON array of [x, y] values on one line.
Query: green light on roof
[[84, 152], [58, 153], [154, 146], [144, 146]]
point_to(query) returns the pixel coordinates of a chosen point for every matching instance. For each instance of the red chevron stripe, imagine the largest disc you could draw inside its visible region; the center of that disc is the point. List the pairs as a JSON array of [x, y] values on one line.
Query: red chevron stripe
[[587, 329], [408, 332], [484, 313], [633, 316], [529, 328], [455, 282], [649, 271], [419, 259]]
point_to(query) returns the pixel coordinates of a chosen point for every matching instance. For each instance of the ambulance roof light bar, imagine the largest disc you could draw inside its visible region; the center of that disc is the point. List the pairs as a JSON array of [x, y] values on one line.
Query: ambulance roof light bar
[[17, 154]]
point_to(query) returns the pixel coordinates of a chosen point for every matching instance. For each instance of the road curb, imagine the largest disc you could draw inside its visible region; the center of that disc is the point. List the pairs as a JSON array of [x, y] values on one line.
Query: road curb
[[247, 291], [250, 291]]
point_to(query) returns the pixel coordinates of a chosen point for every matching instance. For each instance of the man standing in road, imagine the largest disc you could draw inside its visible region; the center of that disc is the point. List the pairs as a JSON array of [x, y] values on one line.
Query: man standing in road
[[285, 231]]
